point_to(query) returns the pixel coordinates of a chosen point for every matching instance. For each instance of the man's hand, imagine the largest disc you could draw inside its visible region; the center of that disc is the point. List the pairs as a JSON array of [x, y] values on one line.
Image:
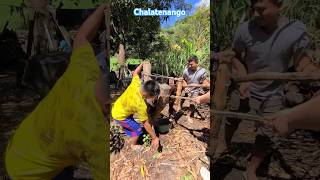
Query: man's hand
[[197, 100], [244, 90], [280, 124], [155, 143]]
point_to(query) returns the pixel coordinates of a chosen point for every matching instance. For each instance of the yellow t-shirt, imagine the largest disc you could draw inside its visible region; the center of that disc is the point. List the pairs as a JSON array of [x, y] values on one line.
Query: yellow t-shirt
[[67, 126], [130, 102]]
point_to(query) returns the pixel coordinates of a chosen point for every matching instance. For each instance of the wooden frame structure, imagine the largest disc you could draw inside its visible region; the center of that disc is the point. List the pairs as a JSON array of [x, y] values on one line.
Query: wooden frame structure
[[221, 86]]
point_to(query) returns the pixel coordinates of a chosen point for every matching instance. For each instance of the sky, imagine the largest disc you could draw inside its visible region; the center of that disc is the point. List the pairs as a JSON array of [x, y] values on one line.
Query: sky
[[195, 5]]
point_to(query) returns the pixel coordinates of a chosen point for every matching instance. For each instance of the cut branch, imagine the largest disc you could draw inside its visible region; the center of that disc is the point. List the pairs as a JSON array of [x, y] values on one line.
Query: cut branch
[[262, 76]]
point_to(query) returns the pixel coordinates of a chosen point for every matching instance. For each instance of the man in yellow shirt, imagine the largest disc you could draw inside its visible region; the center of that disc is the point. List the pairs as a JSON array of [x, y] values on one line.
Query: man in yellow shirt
[[133, 101], [68, 125]]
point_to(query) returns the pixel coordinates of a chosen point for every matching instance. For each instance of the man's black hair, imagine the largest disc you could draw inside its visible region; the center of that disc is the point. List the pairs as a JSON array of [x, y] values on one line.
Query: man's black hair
[[193, 58], [152, 88], [276, 2]]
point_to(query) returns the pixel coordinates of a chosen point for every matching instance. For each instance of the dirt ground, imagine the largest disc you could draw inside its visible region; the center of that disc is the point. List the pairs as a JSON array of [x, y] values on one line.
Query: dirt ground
[[183, 154], [297, 157], [15, 105]]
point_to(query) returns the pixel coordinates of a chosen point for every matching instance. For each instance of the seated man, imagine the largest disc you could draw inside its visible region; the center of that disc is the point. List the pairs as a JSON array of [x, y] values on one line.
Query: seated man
[[133, 101], [68, 126], [192, 75]]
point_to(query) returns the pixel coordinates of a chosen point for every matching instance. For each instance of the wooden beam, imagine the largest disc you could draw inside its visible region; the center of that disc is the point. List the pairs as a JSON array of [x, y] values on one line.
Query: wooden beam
[[263, 76]]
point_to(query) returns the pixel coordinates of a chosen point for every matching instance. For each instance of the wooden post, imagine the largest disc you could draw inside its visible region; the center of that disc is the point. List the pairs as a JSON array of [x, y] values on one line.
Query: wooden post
[[122, 55], [146, 71], [177, 102], [219, 99]]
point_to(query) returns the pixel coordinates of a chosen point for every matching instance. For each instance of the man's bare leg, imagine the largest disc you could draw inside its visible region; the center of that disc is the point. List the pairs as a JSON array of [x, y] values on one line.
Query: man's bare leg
[[254, 163], [224, 140]]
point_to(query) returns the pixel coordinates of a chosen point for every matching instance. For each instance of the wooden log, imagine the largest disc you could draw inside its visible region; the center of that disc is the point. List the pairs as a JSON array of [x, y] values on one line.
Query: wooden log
[[177, 102], [219, 100], [146, 70], [263, 76]]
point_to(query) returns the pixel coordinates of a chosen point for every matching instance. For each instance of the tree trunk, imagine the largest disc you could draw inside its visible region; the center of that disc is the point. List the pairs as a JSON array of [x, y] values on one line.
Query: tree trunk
[[121, 56]]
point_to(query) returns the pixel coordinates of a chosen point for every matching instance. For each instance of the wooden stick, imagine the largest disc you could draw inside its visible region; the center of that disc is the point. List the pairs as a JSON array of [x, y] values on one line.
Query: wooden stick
[[262, 76], [248, 117], [160, 76], [197, 85], [180, 97]]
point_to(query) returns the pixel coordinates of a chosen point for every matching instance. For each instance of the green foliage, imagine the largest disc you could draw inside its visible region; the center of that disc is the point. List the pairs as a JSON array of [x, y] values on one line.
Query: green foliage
[[147, 139], [189, 36], [139, 34], [187, 177], [228, 14], [114, 65]]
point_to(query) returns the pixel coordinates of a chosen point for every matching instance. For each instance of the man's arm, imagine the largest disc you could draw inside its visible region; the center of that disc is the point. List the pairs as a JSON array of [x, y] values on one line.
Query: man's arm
[[305, 64], [303, 116], [89, 28], [203, 98], [150, 130]]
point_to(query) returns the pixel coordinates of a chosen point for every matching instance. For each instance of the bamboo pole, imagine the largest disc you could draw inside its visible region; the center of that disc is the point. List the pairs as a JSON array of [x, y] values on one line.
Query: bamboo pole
[[263, 76]]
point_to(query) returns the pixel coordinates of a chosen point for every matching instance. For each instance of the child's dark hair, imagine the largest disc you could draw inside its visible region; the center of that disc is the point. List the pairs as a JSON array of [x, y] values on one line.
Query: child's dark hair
[[152, 88], [193, 58]]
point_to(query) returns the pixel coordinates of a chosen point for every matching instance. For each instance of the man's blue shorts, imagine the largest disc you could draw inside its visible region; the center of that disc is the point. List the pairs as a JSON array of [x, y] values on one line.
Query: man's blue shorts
[[130, 126]]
